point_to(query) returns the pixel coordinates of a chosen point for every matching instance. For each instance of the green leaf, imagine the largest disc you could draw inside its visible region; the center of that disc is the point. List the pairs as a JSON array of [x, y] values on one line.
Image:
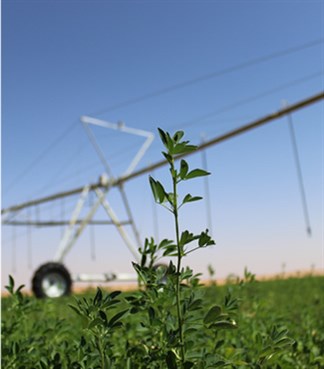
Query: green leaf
[[75, 309], [196, 304], [20, 288], [11, 282], [154, 188], [157, 190], [151, 313], [186, 274], [11, 286], [285, 341], [224, 324], [103, 315], [183, 148], [186, 237], [94, 323], [163, 136], [114, 294], [171, 360], [116, 317], [205, 239], [139, 270], [196, 173], [164, 243], [166, 140], [169, 250], [167, 156], [171, 268], [184, 167], [98, 297], [189, 198], [230, 303], [177, 136], [212, 314], [143, 260]]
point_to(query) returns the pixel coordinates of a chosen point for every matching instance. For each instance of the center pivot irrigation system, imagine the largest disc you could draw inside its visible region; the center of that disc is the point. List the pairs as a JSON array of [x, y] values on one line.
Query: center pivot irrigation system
[[52, 279]]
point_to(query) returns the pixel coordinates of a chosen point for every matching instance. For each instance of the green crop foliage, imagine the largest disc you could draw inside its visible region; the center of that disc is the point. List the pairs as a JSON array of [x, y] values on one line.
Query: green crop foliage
[[49, 334], [171, 321]]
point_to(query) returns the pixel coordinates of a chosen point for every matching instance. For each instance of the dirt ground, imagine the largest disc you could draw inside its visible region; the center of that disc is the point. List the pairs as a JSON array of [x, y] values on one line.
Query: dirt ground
[[130, 286]]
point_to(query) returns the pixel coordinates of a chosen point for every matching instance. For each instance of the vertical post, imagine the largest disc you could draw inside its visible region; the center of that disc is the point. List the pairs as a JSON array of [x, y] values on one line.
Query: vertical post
[[299, 171], [206, 185]]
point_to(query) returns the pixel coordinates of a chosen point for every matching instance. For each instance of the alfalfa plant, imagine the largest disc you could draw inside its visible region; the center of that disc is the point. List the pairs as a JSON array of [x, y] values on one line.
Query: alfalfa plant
[[175, 147], [27, 342], [101, 321], [175, 307]]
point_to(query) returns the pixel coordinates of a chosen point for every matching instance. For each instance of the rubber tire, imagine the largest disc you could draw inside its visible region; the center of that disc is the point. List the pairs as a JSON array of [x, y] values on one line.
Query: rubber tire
[[44, 271]]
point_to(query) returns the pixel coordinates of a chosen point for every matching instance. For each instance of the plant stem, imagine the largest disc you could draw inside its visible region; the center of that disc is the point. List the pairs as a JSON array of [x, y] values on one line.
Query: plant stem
[[101, 351], [178, 297], [100, 346]]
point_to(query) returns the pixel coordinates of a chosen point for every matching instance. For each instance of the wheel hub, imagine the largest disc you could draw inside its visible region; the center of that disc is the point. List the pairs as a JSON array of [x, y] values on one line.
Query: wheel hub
[[54, 285]]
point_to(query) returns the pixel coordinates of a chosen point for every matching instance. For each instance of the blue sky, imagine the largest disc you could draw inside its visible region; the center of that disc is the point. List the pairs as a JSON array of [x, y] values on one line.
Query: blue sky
[[65, 59]]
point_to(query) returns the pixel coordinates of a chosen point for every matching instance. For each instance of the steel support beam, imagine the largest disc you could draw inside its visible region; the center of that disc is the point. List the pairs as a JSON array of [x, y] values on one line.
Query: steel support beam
[[235, 132]]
